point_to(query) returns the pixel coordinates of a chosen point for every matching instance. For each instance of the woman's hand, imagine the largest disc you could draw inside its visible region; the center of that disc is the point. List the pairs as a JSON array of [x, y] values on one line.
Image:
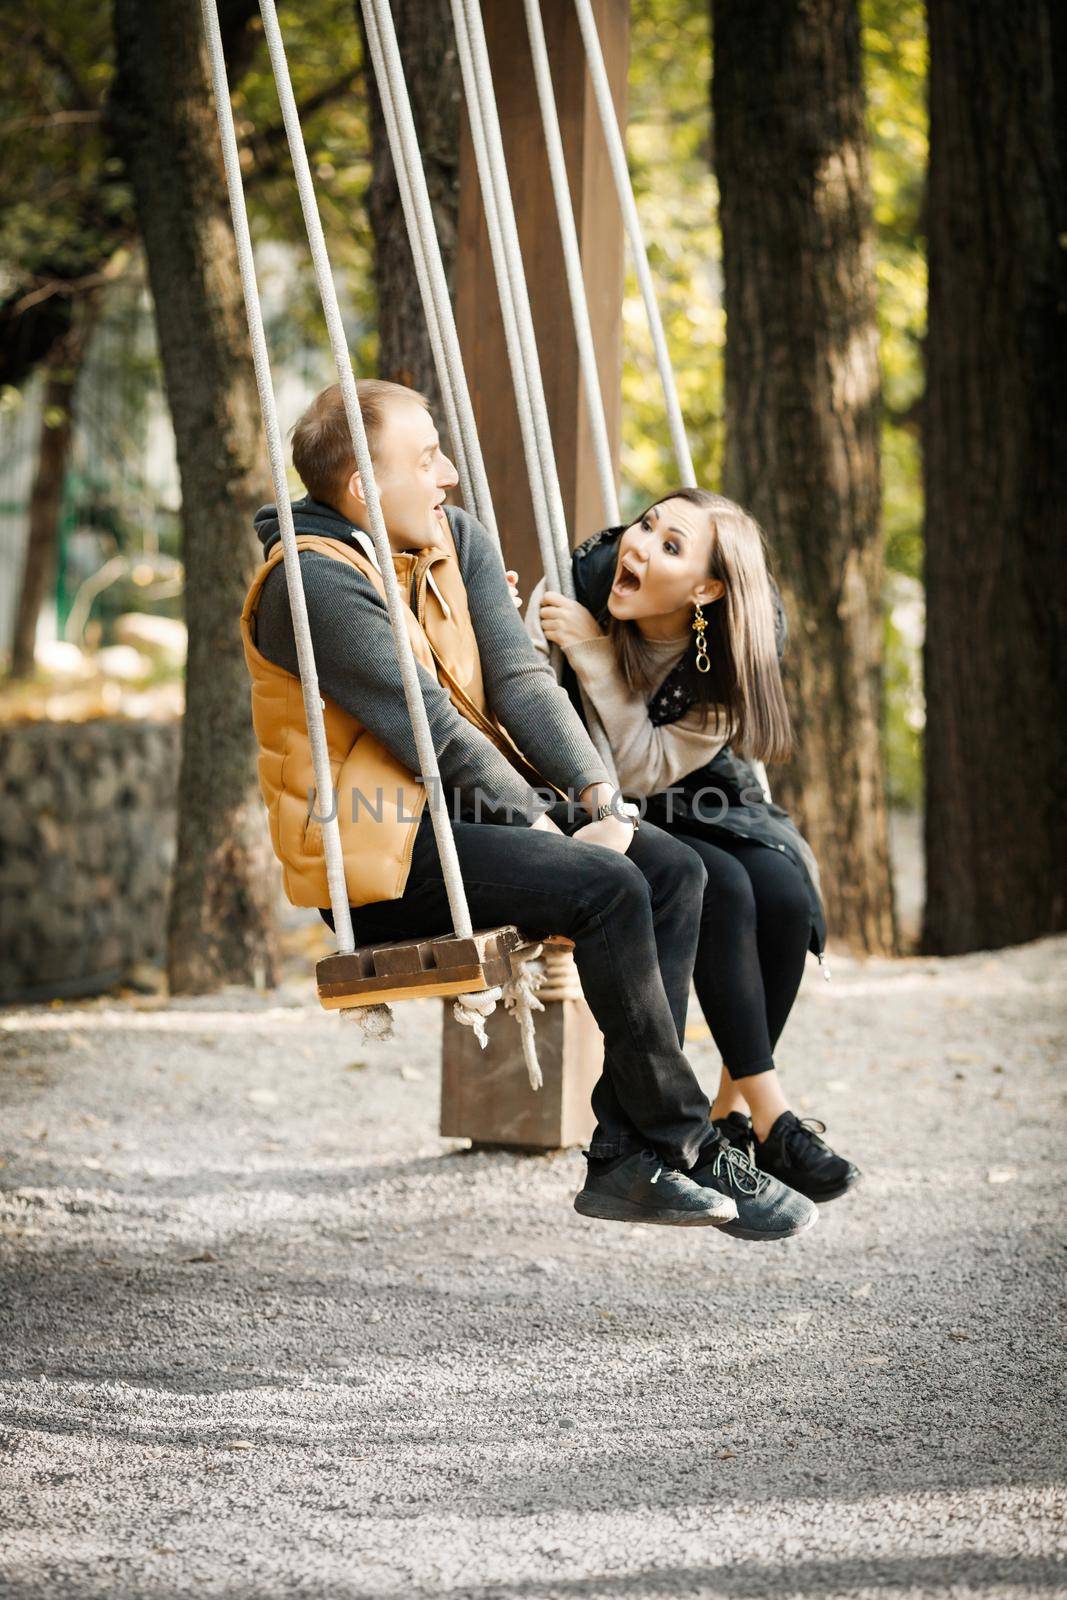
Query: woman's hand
[[566, 622], [513, 585]]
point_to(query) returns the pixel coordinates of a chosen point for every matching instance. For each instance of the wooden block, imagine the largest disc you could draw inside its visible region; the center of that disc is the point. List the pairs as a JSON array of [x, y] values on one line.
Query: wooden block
[[486, 1094]]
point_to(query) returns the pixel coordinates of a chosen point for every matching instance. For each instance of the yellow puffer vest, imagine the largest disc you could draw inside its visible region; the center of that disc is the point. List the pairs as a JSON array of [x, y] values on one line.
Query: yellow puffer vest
[[379, 803]]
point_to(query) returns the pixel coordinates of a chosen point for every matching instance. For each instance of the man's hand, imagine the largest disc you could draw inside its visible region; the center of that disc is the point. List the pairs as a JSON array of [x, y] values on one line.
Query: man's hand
[[610, 832], [566, 622], [613, 833], [513, 585]]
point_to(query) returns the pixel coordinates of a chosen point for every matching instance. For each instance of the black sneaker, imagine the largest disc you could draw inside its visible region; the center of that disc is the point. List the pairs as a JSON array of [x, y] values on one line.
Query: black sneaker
[[738, 1129], [641, 1188], [794, 1153], [766, 1209]]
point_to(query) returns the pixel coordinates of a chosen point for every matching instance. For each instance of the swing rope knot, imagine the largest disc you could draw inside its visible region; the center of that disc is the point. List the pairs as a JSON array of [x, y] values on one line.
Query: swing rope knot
[[519, 995], [474, 1011]]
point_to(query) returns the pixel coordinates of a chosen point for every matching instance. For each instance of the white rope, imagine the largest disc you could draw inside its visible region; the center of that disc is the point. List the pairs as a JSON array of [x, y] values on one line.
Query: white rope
[[520, 998], [520, 338], [522, 344], [305, 653], [474, 1010], [623, 187], [572, 261], [433, 284], [519, 994], [375, 1022], [429, 772], [505, 289]]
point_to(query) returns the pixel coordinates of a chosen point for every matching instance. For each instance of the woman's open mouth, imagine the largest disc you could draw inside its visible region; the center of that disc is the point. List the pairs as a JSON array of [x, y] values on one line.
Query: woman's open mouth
[[626, 580]]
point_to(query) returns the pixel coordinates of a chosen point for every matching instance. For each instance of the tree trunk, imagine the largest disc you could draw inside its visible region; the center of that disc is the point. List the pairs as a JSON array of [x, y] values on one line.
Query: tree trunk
[[221, 926], [431, 67], [995, 470], [46, 495], [802, 409]]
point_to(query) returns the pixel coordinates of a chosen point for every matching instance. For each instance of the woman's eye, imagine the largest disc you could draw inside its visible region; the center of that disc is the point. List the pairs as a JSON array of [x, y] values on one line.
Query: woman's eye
[[669, 544], [646, 525]]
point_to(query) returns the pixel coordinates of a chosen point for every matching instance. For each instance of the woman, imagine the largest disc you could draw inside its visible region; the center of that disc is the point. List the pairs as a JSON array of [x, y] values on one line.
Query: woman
[[674, 638]]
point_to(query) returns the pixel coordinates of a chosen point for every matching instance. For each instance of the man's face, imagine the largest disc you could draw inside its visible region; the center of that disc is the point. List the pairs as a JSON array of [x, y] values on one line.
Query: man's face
[[413, 477]]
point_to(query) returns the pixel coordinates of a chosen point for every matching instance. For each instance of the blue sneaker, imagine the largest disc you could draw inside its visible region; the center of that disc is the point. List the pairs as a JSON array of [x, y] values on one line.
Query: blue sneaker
[[766, 1209], [641, 1188]]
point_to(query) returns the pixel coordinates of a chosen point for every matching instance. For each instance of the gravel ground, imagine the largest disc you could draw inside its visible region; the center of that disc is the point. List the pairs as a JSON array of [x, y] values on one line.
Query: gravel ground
[[266, 1334]]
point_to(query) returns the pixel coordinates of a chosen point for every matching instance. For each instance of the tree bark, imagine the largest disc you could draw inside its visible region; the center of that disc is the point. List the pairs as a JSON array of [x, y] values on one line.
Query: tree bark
[[431, 67], [802, 409], [995, 471], [46, 494], [221, 920]]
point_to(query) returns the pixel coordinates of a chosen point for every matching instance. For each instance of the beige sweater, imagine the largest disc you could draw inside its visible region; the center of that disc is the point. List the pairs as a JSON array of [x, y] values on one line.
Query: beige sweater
[[648, 758]]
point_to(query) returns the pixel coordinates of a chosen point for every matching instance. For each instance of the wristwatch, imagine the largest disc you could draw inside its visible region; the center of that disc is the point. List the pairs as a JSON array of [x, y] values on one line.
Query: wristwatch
[[623, 810]]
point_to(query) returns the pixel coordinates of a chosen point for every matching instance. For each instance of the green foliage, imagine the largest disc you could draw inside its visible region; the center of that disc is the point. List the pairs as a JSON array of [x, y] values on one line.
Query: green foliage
[[669, 146], [60, 195]]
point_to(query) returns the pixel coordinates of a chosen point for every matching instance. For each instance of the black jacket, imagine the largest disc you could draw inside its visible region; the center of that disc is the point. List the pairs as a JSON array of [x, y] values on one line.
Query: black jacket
[[735, 804]]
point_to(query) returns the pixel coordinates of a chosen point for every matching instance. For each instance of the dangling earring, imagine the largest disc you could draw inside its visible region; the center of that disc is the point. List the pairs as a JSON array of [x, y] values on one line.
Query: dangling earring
[[699, 624]]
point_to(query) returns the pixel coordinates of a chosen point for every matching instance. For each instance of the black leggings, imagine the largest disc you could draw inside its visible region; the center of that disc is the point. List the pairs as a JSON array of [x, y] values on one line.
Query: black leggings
[[754, 933]]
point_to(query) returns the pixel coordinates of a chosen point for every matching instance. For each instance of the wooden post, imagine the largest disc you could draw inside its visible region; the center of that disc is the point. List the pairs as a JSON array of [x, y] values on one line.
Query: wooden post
[[485, 1094]]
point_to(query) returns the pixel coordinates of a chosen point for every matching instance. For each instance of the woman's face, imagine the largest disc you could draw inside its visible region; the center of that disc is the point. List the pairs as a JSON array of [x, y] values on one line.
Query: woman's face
[[663, 561]]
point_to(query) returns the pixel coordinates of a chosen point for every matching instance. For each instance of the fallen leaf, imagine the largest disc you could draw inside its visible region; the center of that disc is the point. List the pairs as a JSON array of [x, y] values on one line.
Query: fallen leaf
[[238, 1444], [411, 1074], [862, 1292], [205, 1255], [1000, 1175]]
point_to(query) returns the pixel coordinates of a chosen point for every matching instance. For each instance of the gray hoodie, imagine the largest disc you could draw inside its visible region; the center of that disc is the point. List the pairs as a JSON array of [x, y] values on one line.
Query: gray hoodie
[[357, 667]]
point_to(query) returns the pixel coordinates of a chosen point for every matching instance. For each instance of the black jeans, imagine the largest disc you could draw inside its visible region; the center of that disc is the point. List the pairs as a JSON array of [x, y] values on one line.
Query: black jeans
[[635, 922], [754, 931]]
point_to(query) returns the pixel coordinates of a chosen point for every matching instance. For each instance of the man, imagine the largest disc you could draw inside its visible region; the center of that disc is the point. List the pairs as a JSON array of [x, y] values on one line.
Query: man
[[504, 733]]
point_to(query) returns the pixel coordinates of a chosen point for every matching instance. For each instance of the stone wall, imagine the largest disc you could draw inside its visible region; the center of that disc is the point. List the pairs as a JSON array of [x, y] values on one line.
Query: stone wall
[[87, 823]]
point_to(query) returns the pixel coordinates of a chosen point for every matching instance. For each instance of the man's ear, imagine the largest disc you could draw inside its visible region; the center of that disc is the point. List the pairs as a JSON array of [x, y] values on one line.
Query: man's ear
[[711, 589], [354, 487]]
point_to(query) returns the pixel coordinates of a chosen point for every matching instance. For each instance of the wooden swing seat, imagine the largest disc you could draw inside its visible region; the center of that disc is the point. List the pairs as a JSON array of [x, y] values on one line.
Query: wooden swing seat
[[419, 969]]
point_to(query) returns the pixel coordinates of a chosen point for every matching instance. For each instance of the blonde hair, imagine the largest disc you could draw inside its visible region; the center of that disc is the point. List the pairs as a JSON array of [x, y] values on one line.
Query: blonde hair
[[744, 684], [322, 444]]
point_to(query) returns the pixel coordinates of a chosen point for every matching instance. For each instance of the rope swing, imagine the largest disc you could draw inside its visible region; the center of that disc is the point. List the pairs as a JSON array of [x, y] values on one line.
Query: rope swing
[[476, 969]]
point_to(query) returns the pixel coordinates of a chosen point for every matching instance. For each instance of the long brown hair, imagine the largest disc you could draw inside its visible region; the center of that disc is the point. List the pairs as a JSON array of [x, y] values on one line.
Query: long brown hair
[[744, 685]]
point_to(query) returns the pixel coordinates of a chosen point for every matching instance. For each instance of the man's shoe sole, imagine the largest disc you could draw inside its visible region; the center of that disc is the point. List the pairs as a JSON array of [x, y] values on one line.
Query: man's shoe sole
[[608, 1208], [737, 1230]]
